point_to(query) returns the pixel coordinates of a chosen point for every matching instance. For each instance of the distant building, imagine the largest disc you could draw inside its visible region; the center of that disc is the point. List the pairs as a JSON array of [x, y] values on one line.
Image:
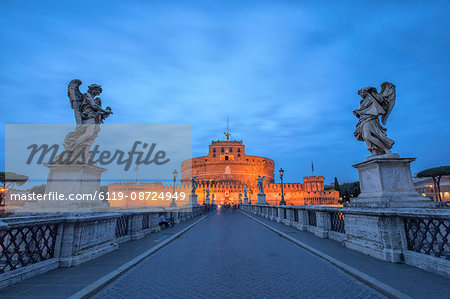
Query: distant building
[[227, 169], [425, 186]]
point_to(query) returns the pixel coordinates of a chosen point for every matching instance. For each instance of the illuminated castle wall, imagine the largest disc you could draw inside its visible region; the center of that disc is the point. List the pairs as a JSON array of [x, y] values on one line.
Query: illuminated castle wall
[[225, 171], [228, 163]]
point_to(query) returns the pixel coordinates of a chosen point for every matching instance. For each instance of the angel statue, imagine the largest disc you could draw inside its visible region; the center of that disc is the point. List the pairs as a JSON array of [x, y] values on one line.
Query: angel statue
[[207, 194], [89, 114], [260, 180], [245, 191], [194, 184], [240, 197], [368, 128]]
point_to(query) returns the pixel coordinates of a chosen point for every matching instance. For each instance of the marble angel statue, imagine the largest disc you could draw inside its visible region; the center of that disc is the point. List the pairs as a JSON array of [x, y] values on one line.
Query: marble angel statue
[[374, 106]]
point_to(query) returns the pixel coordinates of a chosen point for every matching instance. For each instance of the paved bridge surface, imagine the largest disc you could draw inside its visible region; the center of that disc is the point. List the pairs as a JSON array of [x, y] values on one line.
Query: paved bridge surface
[[228, 254], [231, 255]]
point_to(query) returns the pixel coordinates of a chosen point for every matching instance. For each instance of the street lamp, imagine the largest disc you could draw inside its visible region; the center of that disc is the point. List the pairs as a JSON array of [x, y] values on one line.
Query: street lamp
[[173, 203], [282, 201]]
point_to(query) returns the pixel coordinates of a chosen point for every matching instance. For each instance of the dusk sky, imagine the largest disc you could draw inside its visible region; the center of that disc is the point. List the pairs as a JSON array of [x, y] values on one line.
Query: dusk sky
[[285, 73]]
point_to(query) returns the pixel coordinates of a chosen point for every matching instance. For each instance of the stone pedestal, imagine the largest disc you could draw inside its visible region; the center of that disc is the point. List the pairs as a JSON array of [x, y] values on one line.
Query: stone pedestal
[[192, 200], [386, 187], [386, 182], [78, 184], [261, 199], [245, 200]]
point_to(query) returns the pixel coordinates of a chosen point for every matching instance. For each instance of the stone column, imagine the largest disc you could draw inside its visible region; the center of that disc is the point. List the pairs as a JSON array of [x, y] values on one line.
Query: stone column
[[323, 222], [302, 219], [136, 227]]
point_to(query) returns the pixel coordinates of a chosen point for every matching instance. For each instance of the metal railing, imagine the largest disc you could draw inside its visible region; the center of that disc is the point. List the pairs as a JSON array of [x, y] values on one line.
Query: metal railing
[[25, 245], [337, 222], [312, 218], [428, 236]]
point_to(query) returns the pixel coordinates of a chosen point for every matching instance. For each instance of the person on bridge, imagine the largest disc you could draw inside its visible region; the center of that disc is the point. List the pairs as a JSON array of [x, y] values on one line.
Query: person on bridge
[[163, 221]]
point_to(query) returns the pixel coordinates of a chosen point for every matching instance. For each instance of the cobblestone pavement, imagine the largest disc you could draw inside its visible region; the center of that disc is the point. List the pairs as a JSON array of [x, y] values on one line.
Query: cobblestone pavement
[[229, 255]]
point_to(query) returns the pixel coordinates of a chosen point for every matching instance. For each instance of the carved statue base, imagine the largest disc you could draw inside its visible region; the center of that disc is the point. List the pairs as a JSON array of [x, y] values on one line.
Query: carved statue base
[[386, 182], [192, 200], [245, 200], [262, 199], [240, 201], [72, 181]]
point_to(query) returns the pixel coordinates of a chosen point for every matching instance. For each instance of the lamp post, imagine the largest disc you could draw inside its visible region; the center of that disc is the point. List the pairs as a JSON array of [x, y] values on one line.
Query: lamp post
[[175, 174], [282, 201]]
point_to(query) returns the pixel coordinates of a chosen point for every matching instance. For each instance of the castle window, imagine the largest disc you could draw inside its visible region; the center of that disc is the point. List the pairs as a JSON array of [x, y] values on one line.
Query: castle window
[[231, 149], [223, 149], [214, 150], [214, 155], [239, 155], [226, 157], [239, 149]]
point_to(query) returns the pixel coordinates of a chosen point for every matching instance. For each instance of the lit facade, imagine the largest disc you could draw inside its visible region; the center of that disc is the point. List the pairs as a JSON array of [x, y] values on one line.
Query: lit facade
[[225, 171]]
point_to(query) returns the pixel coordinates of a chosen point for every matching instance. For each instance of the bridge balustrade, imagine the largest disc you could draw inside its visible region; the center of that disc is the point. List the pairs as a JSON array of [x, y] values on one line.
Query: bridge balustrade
[[419, 237], [31, 245]]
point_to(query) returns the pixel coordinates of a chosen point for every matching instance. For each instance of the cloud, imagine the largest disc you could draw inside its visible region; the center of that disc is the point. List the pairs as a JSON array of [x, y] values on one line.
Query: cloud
[[286, 74]]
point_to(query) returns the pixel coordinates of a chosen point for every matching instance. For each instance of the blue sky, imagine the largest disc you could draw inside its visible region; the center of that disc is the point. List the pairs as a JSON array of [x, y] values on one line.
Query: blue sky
[[286, 73]]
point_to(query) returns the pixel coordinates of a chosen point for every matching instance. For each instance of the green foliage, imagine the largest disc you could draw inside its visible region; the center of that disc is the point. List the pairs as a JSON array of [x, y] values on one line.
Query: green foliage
[[434, 172], [11, 177], [336, 184], [349, 190]]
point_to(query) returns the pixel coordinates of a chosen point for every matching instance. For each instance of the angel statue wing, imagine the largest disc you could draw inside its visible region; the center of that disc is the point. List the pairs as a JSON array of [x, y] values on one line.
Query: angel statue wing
[[75, 97], [387, 93]]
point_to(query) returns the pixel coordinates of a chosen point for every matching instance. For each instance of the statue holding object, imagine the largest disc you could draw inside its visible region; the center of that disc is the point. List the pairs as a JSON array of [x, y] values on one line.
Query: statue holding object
[[369, 128]]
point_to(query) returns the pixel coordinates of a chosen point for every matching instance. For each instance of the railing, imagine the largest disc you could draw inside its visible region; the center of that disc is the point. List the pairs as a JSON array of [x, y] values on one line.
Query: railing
[[312, 218], [122, 226], [337, 222], [295, 212], [42, 243], [428, 236], [26, 245], [418, 237]]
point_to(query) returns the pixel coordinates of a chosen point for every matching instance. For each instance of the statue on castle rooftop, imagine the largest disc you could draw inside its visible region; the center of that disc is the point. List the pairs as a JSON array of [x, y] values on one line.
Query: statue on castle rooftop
[[368, 128], [260, 180]]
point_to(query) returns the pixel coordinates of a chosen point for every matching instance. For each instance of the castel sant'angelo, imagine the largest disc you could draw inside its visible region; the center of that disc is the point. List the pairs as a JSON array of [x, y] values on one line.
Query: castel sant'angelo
[[227, 169]]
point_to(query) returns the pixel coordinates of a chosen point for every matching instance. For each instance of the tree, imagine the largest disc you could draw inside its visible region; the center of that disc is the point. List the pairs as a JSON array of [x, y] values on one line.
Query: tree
[[336, 185], [349, 190], [8, 180], [435, 173]]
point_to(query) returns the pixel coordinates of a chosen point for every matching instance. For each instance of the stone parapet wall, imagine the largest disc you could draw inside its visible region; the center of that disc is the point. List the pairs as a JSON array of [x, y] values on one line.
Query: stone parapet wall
[[32, 245], [415, 236]]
